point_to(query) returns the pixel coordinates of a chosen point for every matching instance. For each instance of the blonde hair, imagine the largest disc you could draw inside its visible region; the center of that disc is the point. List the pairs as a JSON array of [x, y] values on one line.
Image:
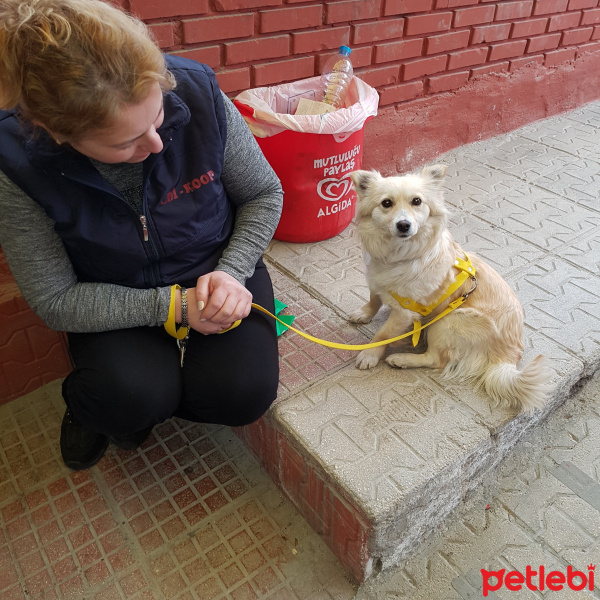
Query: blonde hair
[[71, 65]]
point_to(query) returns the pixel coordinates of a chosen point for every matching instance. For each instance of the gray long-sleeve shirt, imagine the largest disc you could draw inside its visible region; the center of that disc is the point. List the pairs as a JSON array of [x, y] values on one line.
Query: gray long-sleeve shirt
[[45, 275]]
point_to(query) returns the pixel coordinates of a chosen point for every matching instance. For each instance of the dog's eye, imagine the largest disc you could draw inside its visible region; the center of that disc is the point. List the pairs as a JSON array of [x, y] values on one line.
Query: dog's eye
[[386, 203], [416, 201]]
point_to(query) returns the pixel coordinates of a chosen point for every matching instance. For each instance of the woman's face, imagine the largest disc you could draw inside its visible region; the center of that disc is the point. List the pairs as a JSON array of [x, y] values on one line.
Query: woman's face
[[132, 137]]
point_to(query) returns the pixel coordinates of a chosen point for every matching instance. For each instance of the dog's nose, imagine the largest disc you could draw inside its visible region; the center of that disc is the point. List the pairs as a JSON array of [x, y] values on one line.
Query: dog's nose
[[403, 226]]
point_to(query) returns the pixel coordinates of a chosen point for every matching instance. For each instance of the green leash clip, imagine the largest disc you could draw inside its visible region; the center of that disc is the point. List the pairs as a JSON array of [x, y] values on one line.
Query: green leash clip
[[287, 319]]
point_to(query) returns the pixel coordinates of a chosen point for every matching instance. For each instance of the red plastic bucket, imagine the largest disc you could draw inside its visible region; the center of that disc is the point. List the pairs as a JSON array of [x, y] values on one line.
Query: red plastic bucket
[[319, 201]]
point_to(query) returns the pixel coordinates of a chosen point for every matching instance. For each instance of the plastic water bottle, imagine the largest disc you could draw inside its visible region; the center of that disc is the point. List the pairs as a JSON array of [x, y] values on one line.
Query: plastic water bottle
[[336, 77]]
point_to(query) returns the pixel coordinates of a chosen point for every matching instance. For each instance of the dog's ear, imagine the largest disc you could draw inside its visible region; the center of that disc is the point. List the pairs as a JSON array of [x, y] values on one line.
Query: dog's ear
[[362, 180], [435, 172]]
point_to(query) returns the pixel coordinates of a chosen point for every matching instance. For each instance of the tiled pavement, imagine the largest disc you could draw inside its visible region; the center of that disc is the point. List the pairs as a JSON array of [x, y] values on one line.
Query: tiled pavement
[[189, 516], [192, 515]]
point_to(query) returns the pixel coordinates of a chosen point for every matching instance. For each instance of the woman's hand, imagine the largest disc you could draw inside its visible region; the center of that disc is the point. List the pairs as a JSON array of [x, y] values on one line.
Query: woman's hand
[[224, 300]]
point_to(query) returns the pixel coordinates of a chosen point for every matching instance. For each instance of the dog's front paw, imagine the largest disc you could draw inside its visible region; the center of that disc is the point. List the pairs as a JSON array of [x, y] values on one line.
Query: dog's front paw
[[360, 316], [396, 360], [367, 359]]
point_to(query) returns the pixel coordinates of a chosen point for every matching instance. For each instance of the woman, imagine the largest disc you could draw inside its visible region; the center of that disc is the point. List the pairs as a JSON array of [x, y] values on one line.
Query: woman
[[132, 197]]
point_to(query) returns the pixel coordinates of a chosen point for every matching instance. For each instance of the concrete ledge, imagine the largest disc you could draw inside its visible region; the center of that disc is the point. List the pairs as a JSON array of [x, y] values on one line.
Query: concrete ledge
[[319, 498], [375, 507]]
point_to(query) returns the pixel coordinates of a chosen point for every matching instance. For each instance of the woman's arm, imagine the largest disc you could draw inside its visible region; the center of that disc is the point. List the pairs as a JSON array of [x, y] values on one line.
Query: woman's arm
[[45, 276], [251, 184]]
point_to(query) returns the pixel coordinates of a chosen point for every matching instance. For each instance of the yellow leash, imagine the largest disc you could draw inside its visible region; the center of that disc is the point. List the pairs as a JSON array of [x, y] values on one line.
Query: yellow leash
[[466, 270], [452, 306]]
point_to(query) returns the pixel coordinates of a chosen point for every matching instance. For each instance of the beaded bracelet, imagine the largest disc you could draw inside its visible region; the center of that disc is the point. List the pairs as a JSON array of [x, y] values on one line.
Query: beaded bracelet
[[184, 309]]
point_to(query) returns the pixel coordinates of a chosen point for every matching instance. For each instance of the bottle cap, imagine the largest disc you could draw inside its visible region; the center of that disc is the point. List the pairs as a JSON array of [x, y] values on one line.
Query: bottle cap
[[345, 50]]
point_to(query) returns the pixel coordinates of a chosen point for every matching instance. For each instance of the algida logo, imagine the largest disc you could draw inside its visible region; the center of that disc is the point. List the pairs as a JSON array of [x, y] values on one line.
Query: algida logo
[[336, 185]]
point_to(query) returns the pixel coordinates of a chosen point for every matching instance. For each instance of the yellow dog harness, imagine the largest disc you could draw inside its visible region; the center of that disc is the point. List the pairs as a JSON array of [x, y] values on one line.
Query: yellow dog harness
[[466, 270]]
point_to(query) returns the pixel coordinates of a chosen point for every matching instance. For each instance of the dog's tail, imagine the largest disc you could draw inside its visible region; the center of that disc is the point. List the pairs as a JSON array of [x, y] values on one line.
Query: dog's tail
[[527, 389]]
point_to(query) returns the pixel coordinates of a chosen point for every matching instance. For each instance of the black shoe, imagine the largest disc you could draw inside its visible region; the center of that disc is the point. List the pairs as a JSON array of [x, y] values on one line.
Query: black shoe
[[80, 447], [131, 441]]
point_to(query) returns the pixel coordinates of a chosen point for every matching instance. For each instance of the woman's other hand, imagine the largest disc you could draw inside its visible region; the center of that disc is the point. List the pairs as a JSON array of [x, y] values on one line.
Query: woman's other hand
[[224, 300]]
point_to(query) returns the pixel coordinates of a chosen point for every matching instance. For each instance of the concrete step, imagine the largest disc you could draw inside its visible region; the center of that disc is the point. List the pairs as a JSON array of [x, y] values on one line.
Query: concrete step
[[377, 460]]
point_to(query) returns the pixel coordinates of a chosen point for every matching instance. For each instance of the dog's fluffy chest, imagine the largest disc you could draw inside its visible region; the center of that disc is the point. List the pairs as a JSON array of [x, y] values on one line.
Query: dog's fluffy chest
[[415, 279]]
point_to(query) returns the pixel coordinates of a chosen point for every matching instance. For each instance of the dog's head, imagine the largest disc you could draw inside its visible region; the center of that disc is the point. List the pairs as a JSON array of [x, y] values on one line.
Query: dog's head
[[400, 206]]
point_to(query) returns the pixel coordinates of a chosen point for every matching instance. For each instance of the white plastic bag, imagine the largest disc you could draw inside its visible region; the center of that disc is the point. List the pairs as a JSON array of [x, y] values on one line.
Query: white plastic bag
[[266, 109]]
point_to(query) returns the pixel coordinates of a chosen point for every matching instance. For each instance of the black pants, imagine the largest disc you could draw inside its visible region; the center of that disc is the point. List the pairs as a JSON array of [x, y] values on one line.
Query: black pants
[[127, 380]]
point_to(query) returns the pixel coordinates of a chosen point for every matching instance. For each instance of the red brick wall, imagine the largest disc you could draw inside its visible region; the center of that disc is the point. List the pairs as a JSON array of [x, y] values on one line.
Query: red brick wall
[[409, 50], [403, 48], [31, 355]]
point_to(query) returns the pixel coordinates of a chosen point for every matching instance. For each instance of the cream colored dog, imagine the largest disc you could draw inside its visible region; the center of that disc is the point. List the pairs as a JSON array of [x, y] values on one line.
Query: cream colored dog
[[411, 258]]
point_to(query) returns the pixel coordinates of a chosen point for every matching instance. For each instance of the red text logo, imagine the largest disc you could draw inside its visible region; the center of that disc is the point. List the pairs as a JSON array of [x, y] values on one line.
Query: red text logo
[[537, 580], [189, 187]]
